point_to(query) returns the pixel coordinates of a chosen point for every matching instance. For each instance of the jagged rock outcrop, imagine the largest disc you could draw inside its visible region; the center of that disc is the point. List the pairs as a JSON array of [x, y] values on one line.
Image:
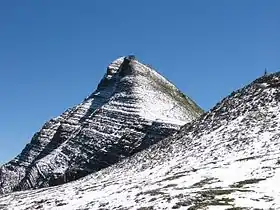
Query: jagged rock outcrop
[[227, 159], [132, 108]]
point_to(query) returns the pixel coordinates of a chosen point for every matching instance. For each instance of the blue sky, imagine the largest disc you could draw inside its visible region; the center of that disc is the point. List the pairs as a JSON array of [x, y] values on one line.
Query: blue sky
[[53, 53]]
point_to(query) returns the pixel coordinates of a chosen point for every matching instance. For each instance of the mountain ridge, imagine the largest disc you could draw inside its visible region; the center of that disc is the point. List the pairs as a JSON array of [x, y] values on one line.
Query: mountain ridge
[[226, 159]]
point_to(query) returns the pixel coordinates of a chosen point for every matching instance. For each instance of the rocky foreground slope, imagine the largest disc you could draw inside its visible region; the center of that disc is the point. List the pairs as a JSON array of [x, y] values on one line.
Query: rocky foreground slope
[[132, 108], [228, 159]]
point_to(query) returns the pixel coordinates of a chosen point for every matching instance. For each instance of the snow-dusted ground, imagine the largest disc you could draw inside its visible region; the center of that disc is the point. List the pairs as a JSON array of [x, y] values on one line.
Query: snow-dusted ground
[[228, 159]]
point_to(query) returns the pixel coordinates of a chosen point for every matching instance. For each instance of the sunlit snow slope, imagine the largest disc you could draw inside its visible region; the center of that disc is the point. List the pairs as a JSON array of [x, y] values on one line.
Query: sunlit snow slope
[[132, 108], [227, 159]]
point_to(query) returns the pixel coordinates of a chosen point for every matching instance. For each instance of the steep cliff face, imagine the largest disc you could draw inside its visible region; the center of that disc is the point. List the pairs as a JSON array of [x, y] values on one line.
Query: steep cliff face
[[227, 159], [132, 108]]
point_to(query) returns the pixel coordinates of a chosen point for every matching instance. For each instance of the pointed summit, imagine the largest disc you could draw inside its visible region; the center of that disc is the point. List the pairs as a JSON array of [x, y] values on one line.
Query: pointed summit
[[132, 108]]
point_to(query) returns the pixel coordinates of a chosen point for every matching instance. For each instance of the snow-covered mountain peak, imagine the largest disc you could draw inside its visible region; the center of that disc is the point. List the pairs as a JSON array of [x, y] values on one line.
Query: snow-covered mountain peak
[[126, 75], [132, 108]]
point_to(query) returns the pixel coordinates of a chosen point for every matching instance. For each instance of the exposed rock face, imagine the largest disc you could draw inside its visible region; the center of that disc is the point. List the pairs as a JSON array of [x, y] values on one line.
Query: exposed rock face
[[227, 159], [132, 108]]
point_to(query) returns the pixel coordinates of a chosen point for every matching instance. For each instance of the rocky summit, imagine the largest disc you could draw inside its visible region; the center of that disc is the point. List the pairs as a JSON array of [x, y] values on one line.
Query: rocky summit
[[132, 108], [229, 158]]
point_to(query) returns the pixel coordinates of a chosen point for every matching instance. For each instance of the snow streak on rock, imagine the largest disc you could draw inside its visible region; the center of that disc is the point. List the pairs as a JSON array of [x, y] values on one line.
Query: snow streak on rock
[[132, 108], [227, 159]]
